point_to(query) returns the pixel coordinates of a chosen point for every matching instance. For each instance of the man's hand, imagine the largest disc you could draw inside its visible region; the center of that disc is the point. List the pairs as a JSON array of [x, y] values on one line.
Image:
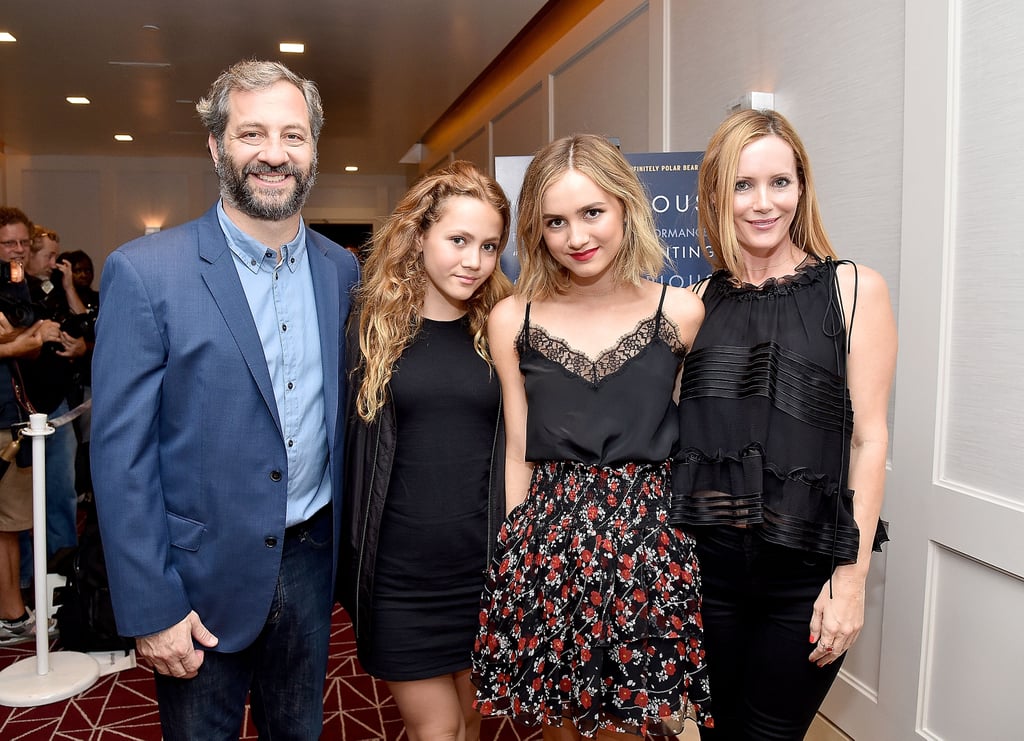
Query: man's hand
[[27, 342], [73, 347], [171, 651], [8, 331]]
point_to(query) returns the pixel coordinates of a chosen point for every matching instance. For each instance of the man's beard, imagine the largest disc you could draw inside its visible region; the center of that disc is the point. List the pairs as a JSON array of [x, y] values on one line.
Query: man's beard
[[267, 206]]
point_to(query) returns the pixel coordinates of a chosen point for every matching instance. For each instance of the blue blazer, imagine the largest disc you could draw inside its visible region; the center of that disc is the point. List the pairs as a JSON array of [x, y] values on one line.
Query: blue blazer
[[188, 459]]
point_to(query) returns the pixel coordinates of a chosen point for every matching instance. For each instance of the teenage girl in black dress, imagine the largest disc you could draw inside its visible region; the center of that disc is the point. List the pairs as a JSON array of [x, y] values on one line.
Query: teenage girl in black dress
[[425, 484]]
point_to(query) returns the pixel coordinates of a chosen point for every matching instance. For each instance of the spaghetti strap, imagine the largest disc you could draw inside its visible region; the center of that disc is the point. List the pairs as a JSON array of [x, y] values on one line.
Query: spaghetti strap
[[661, 303], [524, 333]]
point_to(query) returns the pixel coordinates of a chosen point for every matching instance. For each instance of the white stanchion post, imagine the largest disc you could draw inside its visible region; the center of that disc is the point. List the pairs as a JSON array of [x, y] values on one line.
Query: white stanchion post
[[40, 431], [28, 683]]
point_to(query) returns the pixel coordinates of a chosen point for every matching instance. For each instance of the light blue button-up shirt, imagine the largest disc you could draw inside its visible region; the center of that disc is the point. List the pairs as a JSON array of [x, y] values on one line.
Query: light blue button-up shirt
[[280, 295]]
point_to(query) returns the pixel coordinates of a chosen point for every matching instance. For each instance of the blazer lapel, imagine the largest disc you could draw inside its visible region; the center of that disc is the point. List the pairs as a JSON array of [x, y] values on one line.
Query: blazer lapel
[[326, 293], [221, 277]]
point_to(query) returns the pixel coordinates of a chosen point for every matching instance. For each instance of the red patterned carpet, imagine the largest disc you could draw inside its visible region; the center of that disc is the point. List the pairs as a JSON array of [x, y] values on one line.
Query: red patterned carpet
[[120, 706]]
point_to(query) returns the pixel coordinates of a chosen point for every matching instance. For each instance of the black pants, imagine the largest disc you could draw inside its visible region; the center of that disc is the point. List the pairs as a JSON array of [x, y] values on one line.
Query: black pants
[[758, 600]]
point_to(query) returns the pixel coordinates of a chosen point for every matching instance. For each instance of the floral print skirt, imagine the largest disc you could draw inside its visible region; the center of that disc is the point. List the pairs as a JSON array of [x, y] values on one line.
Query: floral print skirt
[[591, 610]]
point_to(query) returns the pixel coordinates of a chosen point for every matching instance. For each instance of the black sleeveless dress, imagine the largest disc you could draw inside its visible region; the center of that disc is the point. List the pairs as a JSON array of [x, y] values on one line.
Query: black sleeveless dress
[[591, 610], [765, 418], [433, 535]]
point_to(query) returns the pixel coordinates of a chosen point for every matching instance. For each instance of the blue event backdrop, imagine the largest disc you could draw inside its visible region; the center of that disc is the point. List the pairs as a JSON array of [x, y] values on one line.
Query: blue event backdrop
[[671, 182]]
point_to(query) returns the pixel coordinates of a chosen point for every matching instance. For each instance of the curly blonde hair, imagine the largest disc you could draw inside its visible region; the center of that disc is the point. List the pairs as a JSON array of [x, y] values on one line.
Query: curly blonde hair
[[641, 254], [391, 296], [716, 183]]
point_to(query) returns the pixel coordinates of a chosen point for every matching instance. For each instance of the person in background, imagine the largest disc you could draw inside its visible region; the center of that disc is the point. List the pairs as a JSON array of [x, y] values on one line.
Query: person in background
[[426, 489], [217, 437], [82, 275], [780, 467], [590, 619], [51, 378], [22, 336]]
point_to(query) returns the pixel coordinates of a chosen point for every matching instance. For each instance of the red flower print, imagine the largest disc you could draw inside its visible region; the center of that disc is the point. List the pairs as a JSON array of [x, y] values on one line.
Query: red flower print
[[670, 668], [585, 654], [624, 694], [642, 699], [595, 598], [625, 655], [565, 685], [585, 699], [486, 707]]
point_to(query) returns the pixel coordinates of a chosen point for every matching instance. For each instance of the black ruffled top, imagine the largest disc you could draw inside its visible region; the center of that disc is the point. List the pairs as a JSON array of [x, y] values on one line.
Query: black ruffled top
[[765, 415]]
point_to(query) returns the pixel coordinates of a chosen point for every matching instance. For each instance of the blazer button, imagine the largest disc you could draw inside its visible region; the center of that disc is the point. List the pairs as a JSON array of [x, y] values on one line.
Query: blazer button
[[275, 475], [270, 542]]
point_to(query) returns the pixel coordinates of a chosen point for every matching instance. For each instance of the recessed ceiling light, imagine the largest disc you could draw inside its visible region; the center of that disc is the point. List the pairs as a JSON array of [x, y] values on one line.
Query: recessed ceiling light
[[123, 137], [292, 48], [7, 37], [77, 100], [351, 168]]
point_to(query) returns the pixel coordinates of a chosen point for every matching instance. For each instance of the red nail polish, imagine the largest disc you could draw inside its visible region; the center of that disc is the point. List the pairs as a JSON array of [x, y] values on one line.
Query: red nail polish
[[813, 639]]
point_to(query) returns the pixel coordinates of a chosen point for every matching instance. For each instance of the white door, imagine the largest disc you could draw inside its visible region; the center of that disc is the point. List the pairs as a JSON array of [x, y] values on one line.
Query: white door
[[950, 652]]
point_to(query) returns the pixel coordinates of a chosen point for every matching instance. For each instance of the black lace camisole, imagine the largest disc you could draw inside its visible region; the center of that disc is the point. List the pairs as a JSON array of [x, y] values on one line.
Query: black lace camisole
[[606, 411]]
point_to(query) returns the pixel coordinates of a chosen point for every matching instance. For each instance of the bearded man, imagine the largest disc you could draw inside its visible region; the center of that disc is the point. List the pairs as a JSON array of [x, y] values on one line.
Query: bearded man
[[217, 427]]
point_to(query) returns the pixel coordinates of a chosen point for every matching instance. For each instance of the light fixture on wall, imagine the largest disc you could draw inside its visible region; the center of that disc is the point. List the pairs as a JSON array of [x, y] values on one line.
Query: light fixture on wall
[[414, 156], [752, 102], [152, 229]]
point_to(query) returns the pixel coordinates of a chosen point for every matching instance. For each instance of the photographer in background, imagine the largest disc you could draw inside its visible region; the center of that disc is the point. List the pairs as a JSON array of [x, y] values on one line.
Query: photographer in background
[[82, 275], [50, 377], [21, 336]]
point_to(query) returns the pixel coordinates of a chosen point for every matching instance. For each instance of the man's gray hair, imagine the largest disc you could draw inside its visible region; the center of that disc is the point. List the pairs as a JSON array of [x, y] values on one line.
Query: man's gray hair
[[251, 75]]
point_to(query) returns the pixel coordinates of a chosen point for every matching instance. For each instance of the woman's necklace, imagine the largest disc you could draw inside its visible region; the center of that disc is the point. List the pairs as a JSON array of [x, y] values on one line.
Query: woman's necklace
[[791, 259]]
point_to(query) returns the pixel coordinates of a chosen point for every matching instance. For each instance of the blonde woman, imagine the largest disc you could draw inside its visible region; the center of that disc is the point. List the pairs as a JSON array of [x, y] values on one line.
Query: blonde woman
[[424, 495], [781, 462], [590, 622]]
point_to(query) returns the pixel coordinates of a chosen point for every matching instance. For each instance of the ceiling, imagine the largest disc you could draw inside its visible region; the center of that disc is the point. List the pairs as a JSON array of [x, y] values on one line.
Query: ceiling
[[386, 69]]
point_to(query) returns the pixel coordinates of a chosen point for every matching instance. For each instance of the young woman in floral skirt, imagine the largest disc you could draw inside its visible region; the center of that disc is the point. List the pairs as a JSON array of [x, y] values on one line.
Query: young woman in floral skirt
[[590, 619]]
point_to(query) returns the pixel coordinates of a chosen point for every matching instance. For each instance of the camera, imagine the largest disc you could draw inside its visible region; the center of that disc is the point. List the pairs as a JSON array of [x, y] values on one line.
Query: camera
[[14, 303], [12, 272], [22, 312]]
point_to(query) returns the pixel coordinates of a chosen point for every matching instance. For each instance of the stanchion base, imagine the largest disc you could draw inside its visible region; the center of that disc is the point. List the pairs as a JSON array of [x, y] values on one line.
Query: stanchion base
[[21, 686]]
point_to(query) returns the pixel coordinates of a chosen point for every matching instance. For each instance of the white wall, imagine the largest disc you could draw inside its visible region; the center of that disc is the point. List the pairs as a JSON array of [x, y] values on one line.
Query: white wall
[[98, 203]]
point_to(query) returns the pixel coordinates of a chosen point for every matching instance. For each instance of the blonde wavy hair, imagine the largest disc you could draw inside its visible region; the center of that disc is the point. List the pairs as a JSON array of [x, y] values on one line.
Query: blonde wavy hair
[[391, 296], [641, 252], [716, 183]]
